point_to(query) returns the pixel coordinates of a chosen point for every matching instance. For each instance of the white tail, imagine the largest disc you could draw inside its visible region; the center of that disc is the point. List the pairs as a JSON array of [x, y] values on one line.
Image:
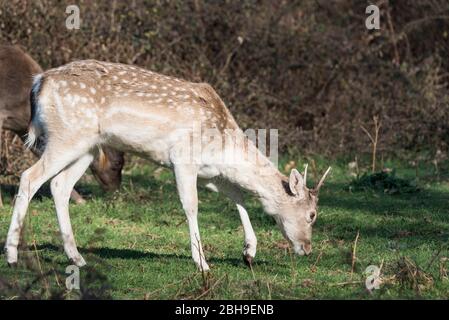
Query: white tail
[[182, 125]]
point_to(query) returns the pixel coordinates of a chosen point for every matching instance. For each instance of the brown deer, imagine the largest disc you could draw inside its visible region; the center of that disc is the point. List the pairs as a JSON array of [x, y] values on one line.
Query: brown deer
[[16, 74], [84, 106]]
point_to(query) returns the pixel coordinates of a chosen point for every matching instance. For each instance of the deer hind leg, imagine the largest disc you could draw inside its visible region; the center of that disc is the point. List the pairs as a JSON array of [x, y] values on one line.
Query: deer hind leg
[[75, 196], [61, 188], [54, 159], [186, 181], [233, 193]]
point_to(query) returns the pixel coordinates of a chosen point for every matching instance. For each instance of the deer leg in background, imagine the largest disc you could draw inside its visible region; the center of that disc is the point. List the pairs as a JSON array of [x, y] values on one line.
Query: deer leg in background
[[250, 244]]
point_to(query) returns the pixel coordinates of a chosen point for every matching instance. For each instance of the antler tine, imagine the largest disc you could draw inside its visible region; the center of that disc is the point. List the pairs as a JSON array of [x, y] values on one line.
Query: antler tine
[[305, 174], [322, 179]]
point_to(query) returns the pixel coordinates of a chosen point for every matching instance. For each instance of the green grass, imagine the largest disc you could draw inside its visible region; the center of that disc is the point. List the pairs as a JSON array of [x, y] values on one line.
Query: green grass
[[136, 244]]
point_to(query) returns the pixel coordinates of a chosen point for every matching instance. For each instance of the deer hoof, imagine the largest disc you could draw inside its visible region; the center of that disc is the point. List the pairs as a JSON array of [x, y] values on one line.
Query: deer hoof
[[248, 260], [11, 255]]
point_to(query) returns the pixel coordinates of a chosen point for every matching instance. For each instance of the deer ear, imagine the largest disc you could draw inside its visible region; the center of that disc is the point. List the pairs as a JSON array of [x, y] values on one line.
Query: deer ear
[[296, 183]]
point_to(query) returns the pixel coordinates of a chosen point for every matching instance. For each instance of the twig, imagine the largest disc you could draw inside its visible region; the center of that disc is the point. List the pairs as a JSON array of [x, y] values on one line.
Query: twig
[[203, 273], [229, 57], [252, 271], [345, 283], [170, 285], [47, 285], [181, 222], [313, 267], [397, 59], [374, 140], [269, 290], [210, 288], [434, 257], [354, 249], [314, 168]]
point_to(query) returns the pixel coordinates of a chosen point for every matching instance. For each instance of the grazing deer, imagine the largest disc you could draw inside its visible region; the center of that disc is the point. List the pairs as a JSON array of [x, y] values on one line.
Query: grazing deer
[[86, 105], [16, 74]]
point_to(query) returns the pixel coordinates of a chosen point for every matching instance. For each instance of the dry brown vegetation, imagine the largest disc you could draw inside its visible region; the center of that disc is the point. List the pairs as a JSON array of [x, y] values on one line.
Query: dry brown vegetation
[[309, 68]]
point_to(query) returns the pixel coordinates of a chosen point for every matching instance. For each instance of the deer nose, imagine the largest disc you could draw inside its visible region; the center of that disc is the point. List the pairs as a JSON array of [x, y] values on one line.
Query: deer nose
[[312, 215]]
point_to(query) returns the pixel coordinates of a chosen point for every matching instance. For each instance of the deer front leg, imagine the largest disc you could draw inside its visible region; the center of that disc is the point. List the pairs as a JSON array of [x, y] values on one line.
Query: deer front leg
[[61, 187], [250, 245], [232, 192], [186, 181]]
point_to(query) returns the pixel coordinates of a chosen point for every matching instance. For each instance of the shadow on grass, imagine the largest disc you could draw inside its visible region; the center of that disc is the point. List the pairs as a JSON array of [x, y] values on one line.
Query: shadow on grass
[[130, 254], [85, 190], [377, 203], [421, 216]]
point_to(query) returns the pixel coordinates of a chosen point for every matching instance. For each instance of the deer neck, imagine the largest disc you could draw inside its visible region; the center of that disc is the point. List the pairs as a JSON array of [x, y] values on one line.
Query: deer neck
[[261, 178]]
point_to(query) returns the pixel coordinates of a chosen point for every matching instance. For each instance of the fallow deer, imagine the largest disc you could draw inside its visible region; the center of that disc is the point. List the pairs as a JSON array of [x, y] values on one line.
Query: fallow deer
[[84, 106], [16, 75]]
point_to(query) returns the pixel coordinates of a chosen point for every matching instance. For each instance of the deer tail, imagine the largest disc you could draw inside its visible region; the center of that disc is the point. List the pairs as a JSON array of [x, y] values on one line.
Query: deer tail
[[35, 129]]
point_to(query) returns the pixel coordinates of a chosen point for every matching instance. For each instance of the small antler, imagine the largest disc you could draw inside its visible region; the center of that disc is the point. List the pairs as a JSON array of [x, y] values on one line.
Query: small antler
[[322, 179], [305, 174]]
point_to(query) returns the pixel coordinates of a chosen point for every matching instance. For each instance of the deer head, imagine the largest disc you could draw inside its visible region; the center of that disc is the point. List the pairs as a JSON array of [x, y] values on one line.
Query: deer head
[[298, 211]]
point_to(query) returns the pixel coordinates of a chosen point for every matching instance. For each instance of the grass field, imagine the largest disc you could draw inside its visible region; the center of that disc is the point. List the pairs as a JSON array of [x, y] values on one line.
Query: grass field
[[136, 244]]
